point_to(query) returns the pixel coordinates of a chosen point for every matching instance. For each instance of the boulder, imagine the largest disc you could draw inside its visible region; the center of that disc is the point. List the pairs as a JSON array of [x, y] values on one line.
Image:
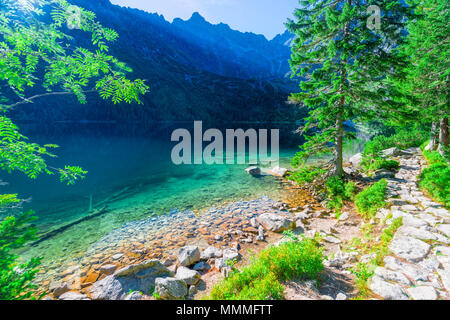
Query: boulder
[[71, 295], [138, 277], [191, 277], [231, 254], [386, 290], [188, 255], [422, 293], [280, 172], [275, 222], [356, 160], [170, 288], [254, 171], [409, 248], [210, 253]]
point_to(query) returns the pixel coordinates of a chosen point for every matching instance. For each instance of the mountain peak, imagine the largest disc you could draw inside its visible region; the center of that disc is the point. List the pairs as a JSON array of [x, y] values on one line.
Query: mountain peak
[[197, 17]]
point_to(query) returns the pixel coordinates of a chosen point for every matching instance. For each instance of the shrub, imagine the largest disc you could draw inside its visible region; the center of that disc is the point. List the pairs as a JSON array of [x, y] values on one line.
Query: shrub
[[435, 181], [261, 280], [371, 199], [403, 139], [16, 277], [306, 174], [338, 191], [369, 164]]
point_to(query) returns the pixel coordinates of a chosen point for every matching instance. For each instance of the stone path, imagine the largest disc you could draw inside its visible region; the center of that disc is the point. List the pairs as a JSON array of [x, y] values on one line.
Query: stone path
[[418, 266]]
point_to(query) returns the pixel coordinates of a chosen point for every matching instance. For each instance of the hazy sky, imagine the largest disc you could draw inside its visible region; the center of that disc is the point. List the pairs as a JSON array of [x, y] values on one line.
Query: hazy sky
[[265, 17]]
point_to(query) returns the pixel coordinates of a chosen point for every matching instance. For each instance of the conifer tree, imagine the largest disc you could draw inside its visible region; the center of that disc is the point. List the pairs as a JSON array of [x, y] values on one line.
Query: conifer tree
[[427, 49], [345, 60]]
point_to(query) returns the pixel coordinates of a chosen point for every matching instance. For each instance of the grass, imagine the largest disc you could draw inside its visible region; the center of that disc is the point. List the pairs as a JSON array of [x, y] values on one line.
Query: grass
[[262, 279], [371, 199]]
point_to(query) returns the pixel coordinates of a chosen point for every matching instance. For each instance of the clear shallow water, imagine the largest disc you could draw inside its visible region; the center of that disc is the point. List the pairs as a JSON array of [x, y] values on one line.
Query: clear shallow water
[[130, 175]]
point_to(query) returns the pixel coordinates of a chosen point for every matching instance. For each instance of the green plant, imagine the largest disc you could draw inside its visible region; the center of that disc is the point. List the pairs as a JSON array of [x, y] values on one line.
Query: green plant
[[338, 191], [15, 276], [371, 199], [435, 181], [403, 139], [306, 174], [262, 278], [363, 272], [333, 53]]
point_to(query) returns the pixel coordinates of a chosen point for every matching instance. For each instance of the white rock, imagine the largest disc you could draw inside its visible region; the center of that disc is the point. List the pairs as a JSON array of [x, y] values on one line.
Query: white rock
[[170, 288], [389, 275], [422, 293], [191, 277], [188, 255], [278, 171], [444, 229], [341, 296], [275, 222], [386, 290], [231, 254], [71, 295], [356, 159], [210, 253], [409, 248]]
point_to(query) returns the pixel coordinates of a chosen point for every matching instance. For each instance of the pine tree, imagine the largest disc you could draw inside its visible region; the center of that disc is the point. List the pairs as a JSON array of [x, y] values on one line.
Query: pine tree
[[427, 75], [345, 64]]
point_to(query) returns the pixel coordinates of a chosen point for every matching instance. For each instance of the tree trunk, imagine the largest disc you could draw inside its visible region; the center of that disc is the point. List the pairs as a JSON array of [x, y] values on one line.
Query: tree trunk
[[433, 137], [338, 149], [443, 135]]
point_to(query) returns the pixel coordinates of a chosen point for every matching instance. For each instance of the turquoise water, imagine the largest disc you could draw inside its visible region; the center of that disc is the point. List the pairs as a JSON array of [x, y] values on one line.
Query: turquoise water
[[130, 177]]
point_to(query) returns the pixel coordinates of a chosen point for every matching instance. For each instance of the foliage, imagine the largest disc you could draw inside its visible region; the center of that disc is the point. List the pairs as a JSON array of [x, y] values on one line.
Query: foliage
[[425, 79], [306, 174], [379, 163], [261, 280], [339, 191], [363, 273], [371, 199], [16, 277], [435, 178], [404, 138], [344, 66], [38, 56]]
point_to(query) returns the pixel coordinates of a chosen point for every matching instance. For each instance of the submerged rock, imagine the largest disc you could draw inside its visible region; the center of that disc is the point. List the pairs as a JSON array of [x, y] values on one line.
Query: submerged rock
[[139, 277], [254, 171]]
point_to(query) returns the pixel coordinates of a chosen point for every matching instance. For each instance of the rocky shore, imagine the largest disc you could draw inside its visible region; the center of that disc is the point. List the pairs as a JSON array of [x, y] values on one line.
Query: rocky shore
[[193, 252]]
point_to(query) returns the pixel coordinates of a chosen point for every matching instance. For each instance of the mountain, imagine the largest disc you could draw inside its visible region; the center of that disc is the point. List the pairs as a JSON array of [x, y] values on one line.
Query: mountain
[[195, 70], [233, 53]]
